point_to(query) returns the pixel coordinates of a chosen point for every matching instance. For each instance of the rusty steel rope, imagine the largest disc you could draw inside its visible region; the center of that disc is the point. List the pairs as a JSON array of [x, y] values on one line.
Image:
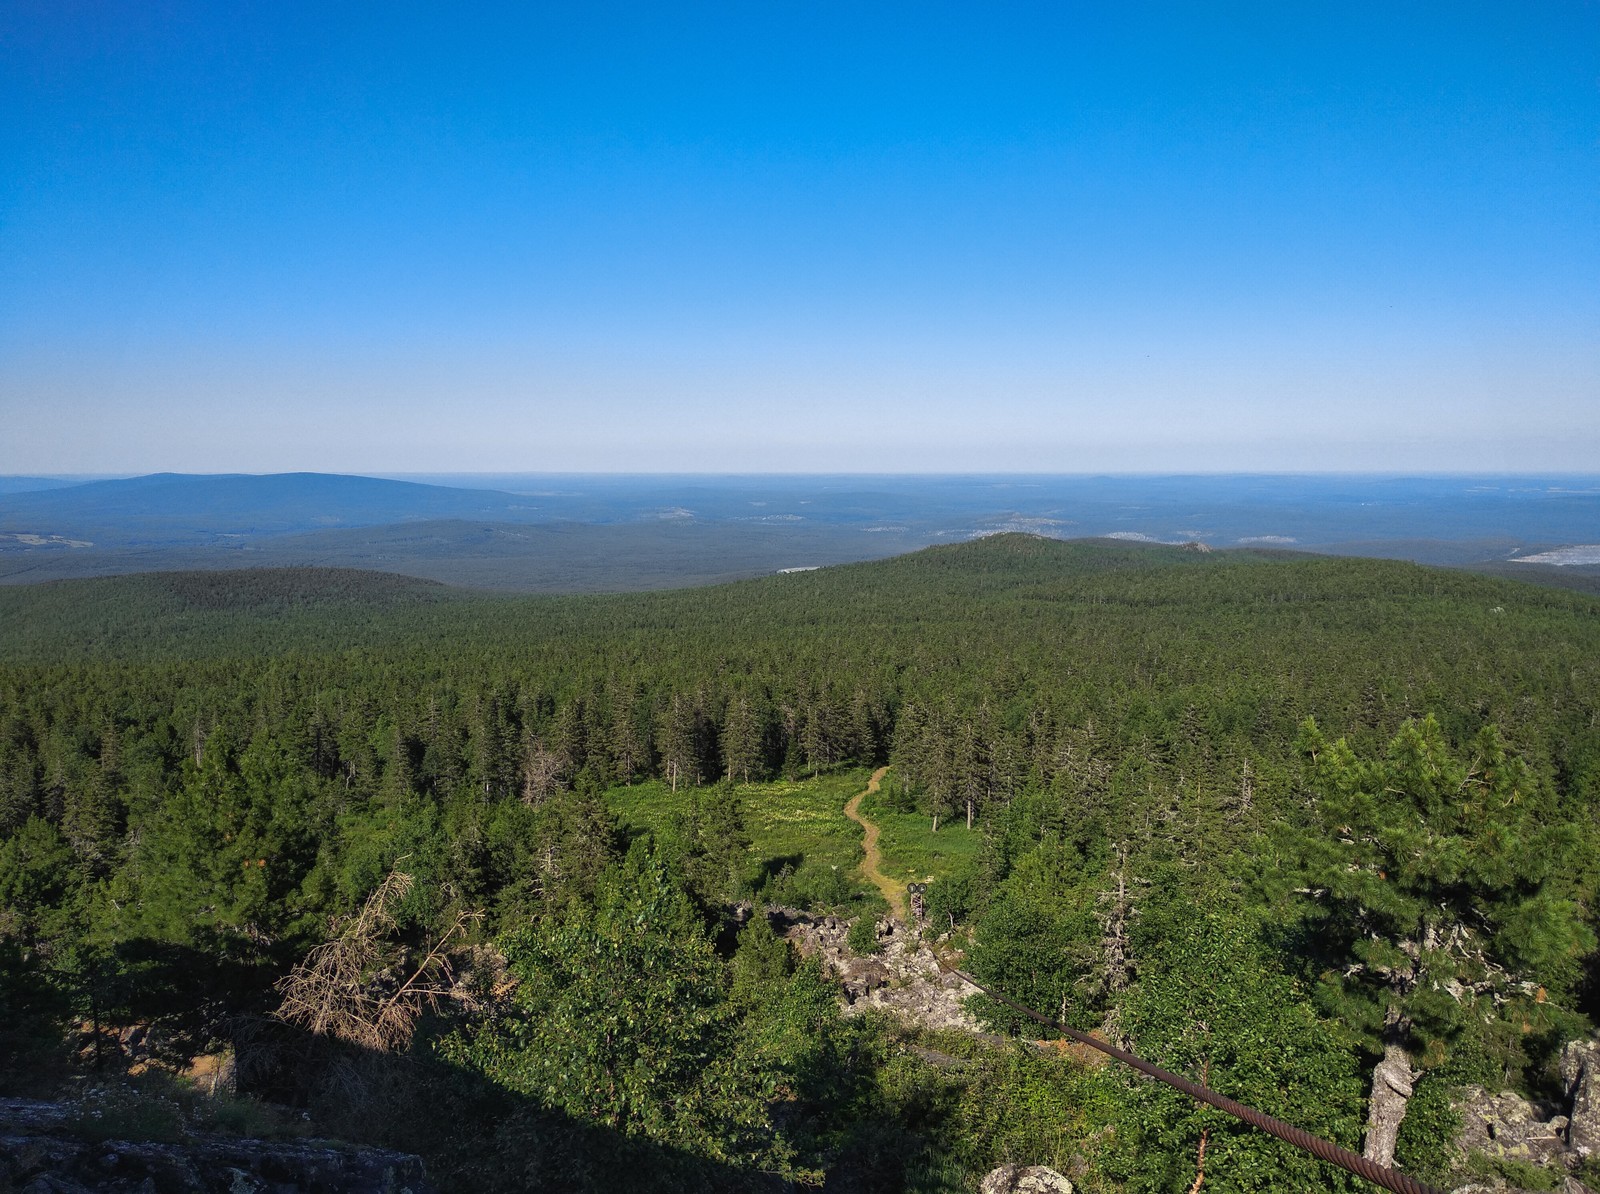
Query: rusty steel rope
[[1389, 1179]]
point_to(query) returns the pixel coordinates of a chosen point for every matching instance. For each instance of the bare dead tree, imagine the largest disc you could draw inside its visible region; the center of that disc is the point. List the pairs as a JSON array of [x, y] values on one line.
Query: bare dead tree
[[548, 871], [1114, 927], [1117, 913], [360, 987], [542, 772]]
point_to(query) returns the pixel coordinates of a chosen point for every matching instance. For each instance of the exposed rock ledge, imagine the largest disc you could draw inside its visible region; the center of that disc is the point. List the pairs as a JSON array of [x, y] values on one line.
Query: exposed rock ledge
[[1559, 1137], [34, 1162], [903, 977], [1030, 1179]]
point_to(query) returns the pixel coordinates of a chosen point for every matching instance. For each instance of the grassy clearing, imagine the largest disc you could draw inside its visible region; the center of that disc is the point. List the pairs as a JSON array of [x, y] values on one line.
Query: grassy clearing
[[796, 826], [912, 852], [645, 807], [805, 820]]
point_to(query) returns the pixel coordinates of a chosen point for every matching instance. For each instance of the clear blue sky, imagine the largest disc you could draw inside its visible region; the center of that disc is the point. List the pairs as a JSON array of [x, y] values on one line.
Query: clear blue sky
[[799, 236]]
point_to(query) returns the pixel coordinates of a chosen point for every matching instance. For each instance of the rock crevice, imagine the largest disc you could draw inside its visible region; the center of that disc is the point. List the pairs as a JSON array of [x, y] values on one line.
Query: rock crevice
[[1561, 1136]]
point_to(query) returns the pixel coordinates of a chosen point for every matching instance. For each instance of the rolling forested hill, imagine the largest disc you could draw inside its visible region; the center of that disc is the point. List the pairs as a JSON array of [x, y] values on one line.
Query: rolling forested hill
[[198, 771]]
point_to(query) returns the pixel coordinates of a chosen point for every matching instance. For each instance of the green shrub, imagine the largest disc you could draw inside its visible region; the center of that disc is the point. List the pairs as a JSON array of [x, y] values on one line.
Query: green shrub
[[1521, 1174], [232, 1116], [812, 887], [863, 935]]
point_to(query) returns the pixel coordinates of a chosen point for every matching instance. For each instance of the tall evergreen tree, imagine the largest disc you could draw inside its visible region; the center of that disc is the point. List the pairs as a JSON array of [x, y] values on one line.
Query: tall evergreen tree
[[1435, 883], [742, 741]]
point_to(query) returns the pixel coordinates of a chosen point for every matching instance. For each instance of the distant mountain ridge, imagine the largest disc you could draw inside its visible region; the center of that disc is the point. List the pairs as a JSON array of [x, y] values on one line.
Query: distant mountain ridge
[[551, 557], [572, 533], [179, 508], [19, 484]]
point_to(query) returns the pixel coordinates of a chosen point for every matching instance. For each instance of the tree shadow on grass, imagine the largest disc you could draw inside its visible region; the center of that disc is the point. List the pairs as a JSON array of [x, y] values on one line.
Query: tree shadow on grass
[[772, 869]]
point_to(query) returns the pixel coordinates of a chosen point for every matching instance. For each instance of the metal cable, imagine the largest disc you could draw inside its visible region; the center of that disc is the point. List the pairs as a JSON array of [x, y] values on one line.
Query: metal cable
[[1389, 1179]]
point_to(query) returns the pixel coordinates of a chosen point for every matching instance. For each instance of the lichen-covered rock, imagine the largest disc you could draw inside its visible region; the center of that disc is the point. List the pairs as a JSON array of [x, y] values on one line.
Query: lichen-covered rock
[[1508, 1125], [1019, 1179], [27, 1117], [862, 976], [1580, 1072]]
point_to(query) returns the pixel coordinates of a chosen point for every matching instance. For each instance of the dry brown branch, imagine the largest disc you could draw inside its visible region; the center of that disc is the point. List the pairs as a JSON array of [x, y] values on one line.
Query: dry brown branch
[[1200, 1163], [357, 987], [1205, 1133]]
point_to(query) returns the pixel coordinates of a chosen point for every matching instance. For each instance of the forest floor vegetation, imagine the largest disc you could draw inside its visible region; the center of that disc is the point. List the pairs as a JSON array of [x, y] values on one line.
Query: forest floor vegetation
[[912, 850]]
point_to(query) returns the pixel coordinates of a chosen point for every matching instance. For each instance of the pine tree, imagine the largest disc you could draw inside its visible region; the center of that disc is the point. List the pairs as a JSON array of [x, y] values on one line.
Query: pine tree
[[630, 746], [1434, 884], [679, 736]]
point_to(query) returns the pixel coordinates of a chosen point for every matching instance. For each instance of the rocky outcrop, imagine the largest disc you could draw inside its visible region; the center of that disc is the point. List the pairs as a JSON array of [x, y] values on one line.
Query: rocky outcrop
[[1580, 1072], [1019, 1179], [1508, 1125], [1559, 1137], [38, 1157], [903, 977]]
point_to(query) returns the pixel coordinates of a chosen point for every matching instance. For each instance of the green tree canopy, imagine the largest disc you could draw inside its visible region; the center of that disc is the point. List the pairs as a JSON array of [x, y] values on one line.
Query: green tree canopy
[[1435, 886], [621, 1018]]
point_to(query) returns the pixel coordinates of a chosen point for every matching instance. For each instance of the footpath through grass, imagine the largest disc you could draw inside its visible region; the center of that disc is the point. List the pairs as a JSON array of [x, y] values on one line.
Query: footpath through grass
[[803, 849], [912, 851], [872, 865]]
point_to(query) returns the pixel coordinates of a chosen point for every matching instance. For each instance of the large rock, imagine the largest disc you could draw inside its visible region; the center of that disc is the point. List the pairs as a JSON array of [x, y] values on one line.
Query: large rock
[[1580, 1072], [40, 1155], [1508, 1125], [1018, 1179], [903, 977]]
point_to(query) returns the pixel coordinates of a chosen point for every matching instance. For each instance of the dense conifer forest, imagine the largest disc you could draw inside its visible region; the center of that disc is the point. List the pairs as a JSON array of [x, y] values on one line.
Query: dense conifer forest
[[1271, 820]]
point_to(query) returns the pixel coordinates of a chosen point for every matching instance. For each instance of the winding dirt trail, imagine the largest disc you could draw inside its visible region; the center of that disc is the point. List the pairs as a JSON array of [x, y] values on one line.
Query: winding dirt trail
[[871, 866]]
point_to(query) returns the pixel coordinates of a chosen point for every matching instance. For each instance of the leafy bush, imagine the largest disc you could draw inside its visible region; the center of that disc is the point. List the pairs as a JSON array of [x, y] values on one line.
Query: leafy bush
[[621, 1019], [952, 899], [1214, 1007], [863, 936], [812, 887]]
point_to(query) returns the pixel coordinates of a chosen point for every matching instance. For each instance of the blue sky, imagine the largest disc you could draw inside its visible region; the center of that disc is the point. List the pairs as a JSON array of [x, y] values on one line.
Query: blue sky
[[799, 237]]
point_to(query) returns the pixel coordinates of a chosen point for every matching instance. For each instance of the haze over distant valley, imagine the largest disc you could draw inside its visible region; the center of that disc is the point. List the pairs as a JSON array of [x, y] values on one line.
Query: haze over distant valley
[[594, 532]]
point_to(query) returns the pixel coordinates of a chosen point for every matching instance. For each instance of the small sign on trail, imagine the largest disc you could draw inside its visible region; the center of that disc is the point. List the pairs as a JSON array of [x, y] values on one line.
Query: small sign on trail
[[919, 909]]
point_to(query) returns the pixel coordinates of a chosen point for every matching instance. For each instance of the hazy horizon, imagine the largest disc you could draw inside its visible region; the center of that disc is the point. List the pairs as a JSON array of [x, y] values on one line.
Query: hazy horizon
[[446, 477]]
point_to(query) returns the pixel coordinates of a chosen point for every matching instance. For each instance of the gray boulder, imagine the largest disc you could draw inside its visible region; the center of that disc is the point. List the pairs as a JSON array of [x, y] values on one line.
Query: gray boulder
[[1019, 1179], [1580, 1072], [1508, 1125], [1558, 1138], [60, 1165]]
